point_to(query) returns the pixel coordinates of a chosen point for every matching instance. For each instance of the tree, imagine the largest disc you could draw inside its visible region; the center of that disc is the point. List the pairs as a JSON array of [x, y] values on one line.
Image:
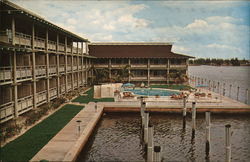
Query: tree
[[179, 77], [122, 74], [100, 75]]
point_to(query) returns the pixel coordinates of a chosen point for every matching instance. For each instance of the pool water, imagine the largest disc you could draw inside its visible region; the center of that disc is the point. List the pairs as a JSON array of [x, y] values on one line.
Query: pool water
[[151, 92]]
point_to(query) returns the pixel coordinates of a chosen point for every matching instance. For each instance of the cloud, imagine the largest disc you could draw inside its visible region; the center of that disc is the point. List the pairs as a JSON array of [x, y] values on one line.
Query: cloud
[[197, 24]]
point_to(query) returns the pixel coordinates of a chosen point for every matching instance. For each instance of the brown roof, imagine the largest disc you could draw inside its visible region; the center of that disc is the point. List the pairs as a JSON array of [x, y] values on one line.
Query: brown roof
[[133, 50]]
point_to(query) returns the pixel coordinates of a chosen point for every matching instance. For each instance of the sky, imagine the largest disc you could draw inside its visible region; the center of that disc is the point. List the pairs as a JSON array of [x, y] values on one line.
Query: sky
[[204, 29]]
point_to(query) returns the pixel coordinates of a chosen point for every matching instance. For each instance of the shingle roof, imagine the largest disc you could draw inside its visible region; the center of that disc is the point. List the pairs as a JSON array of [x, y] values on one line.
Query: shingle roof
[[133, 50]]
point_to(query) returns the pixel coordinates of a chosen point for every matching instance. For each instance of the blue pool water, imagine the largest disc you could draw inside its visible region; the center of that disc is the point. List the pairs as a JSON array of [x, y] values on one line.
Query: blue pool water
[[151, 92]]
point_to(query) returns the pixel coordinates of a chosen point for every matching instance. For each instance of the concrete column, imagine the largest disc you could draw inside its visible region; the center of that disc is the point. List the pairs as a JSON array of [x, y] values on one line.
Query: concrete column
[[34, 65], [72, 62], [66, 65], [129, 70], [15, 85], [86, 71], [13, 28], [110, 69], [150, 150], [47, 65], [58, 74], [228, 142], [82, 48], [168, 67], [148, 72], [77, 59]]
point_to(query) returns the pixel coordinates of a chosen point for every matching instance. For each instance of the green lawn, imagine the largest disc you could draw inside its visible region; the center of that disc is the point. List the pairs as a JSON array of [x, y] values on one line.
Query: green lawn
[[89, 98], [27, 145], [178, 87]]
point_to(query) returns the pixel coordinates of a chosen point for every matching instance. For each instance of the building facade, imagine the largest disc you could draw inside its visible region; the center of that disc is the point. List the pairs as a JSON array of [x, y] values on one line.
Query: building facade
[[39, 61], [150, 63]]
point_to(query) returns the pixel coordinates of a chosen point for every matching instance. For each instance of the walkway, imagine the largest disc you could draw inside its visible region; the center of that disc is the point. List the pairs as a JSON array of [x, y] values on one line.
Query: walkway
[[66, 145]]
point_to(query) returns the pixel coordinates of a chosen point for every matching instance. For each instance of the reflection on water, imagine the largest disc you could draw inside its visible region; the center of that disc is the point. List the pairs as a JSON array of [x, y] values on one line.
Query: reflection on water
[[118, 138]]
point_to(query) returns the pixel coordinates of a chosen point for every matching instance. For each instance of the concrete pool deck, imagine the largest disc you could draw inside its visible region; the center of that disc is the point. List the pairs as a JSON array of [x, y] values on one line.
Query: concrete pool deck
[[68, 143]]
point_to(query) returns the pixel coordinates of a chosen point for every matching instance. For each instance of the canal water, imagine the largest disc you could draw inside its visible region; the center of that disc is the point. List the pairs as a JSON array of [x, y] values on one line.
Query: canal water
[[234, 75], [118, 138]]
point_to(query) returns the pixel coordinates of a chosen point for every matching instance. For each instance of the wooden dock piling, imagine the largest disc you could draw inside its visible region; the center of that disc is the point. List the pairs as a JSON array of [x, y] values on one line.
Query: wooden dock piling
[[157, 154], [146, 119], [150, 151], [228, 143], [208, 133], [193, 118], [184, 114]]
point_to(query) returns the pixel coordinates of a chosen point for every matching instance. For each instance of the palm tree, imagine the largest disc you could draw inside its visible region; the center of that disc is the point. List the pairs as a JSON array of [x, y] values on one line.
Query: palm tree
[[179, 77], [122, 74], [100, 75]]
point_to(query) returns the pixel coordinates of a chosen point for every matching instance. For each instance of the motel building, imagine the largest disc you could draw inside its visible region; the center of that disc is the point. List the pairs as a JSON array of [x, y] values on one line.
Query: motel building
[[40, 61]]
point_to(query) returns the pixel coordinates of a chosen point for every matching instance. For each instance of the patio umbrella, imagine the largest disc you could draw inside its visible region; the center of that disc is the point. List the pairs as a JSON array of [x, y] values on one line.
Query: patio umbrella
[[128, 85]]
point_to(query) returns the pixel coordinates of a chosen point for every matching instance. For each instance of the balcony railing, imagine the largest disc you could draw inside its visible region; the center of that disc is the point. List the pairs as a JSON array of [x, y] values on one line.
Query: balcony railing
[[61, 47], [74, 68], [24, 103], [62, 69], [22, 39], [62, 88], [6, 111], [51, 45], [75, 84], [69, 68], [40, 70], [39, 43], [69, 86], [75, 50], [178, 66], [139, 78], [139, 66], [41, 97], [52, 69], [5, 74], [68, 49], [118, 66], [158, 66], [101, 66], [23, 72], [158, 78], [5, 36], [53, 93]]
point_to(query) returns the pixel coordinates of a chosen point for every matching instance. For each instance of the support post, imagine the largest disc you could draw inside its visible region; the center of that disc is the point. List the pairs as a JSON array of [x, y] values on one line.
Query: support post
[[157, 153], [208, 133], [146, 119], [193, 118], [150, 143], [228, 143], [15, 85], [246, 98], [184, 114], [230, 88]]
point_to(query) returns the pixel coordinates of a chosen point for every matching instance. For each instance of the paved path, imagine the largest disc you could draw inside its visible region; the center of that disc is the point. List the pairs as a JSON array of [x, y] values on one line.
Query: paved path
[[66, 145]]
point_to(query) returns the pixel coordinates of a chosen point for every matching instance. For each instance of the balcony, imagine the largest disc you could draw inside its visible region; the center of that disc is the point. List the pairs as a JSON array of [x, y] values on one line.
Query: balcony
[[68, 49], [178, 66], [69, 68], [52, 69], [40, 70], [23, 72], [51, 45], [5, 74], [158, 66], [139, 66], [74, 50], [118, 66], [69, 88], [53, 93], [101, 66], [24, 104], [22, 39], [6, 111], [158, 78], [5, 36], [41, 97], [61, 47], [39, 43], [62, 69], [138, 78], [75, 84]]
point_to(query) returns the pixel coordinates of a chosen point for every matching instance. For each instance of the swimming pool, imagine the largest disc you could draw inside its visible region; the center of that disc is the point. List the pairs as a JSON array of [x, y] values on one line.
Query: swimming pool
[[151, 92]]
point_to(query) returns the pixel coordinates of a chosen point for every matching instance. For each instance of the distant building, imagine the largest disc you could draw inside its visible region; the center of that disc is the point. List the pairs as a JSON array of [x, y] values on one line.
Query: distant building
[[148, 62]]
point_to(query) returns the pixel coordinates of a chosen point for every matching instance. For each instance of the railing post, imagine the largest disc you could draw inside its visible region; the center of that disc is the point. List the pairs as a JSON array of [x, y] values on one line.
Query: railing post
[[207, 133], [228, 143], [193, 119]]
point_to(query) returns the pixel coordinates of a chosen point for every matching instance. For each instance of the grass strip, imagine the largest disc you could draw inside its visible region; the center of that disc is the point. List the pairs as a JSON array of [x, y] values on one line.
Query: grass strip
[[26, 146], [174, 86], [89, 98]]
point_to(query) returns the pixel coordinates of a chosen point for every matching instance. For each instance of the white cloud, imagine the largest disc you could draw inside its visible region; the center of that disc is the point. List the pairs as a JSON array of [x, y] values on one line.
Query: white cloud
[[197, 24], [220, 19]]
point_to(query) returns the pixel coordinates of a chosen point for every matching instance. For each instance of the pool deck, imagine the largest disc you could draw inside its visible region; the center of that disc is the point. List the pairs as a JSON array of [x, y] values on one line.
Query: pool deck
[[68, 143]]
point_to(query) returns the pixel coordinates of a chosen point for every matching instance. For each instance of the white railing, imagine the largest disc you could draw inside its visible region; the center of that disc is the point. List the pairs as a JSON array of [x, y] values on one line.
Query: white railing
[[53, 92], [22, 39], [74, 68], [68, 49], [118, 66], [178, 66], [62, 69], [69, 68], [24, 103], [61, 47], [41, 97], [5, 73], [158, 66], [62, 87], [157, 78], [5, 36], [139, 66], [101, 66], [23, 72], [39, 43], [139, 78], [52, 69], [40, 70], [69, 86], [79, 50], [6, 111], [75, 50], [51, 45], [75, 84]]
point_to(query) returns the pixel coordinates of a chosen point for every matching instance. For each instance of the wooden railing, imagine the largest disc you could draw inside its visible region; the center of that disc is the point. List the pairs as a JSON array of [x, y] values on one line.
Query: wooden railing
[[52, 69], [24, 103], [139, 66], [22, 39], [6, 111], [158, 66], [51, 45], [41, 97], [39, 43], [5, 73], [139, 78], [157, 78], [23, 72], [40, 70], [53, 93], [62, 88], [61, 47], [178, 66], [62, 68]]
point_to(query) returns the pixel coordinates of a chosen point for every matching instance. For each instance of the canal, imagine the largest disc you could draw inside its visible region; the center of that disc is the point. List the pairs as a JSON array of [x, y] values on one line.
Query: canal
[[117, 137]]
